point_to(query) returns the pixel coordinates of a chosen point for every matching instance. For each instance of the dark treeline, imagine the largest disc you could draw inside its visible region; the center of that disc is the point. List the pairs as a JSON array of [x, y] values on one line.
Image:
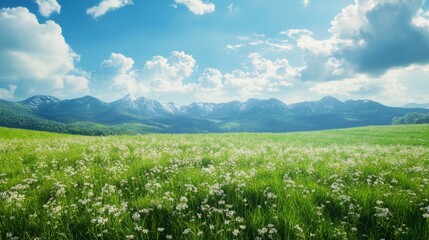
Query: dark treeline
[[412, 118], [28, 121]]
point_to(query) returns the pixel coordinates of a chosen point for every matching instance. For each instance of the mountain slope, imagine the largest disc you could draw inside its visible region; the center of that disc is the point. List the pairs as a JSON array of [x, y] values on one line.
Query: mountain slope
[[253, 115], [416, 105], [40, 101], [140, 106], [80, 109]]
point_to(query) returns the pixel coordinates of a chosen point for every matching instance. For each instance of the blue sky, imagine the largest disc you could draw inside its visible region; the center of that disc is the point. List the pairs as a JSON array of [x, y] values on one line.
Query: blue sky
[[217, 51]]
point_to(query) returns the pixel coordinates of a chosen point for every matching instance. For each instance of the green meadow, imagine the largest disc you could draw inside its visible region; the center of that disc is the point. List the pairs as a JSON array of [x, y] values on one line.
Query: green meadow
[[360, 183]]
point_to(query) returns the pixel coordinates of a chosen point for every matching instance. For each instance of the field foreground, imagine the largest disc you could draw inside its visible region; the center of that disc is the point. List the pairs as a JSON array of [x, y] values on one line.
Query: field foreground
[[363, 183]]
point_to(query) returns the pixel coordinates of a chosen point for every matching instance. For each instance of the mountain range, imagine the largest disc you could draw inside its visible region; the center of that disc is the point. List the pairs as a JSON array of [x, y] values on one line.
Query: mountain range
[[89, 115], [416, 105]]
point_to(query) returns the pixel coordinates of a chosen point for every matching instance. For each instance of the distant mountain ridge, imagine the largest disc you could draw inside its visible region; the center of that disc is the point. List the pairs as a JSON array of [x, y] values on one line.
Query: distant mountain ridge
[[416, 105], [147, 115]]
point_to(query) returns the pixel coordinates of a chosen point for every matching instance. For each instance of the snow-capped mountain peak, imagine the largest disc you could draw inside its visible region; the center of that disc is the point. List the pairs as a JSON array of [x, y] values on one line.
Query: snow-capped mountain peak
[[40, 100]]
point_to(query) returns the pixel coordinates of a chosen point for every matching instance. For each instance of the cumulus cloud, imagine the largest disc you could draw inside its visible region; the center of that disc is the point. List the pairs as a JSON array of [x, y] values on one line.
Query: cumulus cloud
[[211, 80], [7, 93], [421, 20], [47, 7], [265, 76], [395, 87], [320, 63], [385, 37], [118, 62], [198, 7], [118, 76], [107, 5], [159, 75], [35, 56], [210, 86], [168, 74], [368, 36], [47, 53], [162, 77], [172, 75], [75, 84], [347, 87]]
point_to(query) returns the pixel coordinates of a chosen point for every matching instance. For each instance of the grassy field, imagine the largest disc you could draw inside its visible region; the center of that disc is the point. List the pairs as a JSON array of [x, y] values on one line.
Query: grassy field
[[362, 183]]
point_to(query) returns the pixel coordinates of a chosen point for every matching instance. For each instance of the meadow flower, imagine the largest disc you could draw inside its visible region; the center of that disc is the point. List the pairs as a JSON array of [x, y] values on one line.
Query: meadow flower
[[99, 220], [136, 216], [128, 183], [298, 228], [382, 212], [262, 231]]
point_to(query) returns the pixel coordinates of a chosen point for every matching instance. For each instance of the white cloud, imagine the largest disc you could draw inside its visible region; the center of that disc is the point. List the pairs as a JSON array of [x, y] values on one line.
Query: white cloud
[[309, 44], [118, 61], [265, 76], [107, 5], [168, 74], [197, 7], [346, 87], [246, 84], [352, 18], [211, 80], [367, 37], [279, 69], [7, 93], [163, 77], [118, 77], [235, 46], [282, 46], [47, 7], [421, 20], [397, 86], [76, 84], [318, 55], [305, 3], [35, 56], [262, 42], [294, 33], [373, 29], [47, 54], [210, 86], [159, 75]]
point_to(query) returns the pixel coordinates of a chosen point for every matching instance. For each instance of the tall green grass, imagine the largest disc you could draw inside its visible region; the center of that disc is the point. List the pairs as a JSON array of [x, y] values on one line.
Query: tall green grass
[[362, 183]]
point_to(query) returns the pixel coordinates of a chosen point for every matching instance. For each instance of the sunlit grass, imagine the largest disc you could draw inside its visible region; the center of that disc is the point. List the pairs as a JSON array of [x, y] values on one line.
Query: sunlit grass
[[363, 183]]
